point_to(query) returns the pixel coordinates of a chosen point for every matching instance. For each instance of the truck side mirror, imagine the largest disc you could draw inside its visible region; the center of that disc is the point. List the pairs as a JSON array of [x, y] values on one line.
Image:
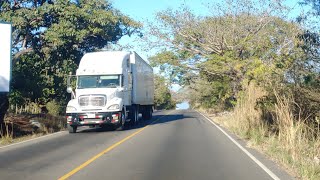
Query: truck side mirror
[[69, 89]]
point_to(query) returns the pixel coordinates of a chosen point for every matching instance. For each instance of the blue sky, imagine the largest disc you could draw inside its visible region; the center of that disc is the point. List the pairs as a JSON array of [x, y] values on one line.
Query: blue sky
[[145, 10], [142, 10]]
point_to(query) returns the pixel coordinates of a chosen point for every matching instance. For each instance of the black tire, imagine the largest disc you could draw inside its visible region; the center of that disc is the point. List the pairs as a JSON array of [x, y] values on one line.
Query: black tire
[[147, 113], [122, 121], [134, 116], [72, 129], [144, 114], [150, 111], [113, 127], [137, 115]]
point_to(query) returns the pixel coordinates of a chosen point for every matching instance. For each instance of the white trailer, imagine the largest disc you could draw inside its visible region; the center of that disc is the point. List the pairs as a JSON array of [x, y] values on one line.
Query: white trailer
[[112, 88]]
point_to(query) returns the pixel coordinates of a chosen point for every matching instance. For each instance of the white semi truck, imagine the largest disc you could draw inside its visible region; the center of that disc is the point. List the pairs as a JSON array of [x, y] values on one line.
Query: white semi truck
[[112, 88]]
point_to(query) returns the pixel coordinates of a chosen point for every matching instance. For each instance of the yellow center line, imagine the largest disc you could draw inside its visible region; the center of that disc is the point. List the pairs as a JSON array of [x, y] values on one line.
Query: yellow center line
[[69, 174]]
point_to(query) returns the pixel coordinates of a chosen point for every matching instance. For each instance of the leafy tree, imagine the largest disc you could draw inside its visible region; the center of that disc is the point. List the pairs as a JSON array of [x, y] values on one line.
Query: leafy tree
[[306, 71], [163, 98], [50, 37], [216, 56], [239, 44]]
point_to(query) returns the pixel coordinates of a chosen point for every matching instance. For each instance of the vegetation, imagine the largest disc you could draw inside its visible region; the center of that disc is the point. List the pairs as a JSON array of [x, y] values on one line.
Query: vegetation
[[247, 58], [22, 126], [289, 140], [247, 45], [162, 97], [49, 38]]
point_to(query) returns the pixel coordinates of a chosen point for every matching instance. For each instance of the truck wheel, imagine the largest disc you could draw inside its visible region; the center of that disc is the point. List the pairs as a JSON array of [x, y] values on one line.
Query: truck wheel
[[134, 117], [144, 114], [123, 121], [147, 113], [72, 129], [137, 115], [150, 112]]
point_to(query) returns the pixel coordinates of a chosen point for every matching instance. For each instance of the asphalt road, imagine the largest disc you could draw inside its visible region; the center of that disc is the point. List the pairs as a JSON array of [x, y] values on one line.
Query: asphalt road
[[173, 145]]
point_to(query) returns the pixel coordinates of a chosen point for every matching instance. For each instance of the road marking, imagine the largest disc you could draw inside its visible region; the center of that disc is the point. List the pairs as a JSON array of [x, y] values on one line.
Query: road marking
[[77, 169], [32, 139], [267, 170]]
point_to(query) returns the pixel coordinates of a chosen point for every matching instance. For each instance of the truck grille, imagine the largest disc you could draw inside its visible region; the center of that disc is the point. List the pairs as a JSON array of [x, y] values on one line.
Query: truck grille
[[92, 101]]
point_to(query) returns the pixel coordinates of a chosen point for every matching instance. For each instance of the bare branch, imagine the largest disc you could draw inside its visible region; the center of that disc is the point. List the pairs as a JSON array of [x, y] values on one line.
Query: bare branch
[[18, 54]]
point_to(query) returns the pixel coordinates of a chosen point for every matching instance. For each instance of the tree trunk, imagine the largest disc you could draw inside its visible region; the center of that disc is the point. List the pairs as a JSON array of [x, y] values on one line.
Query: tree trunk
[[4, 105]]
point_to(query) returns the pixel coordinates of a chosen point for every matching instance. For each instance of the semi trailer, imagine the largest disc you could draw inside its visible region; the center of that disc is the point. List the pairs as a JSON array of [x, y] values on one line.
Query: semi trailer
[[111, 89]]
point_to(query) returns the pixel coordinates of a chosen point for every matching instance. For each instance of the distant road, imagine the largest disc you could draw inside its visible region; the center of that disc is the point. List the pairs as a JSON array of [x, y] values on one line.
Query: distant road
[[180, 145]]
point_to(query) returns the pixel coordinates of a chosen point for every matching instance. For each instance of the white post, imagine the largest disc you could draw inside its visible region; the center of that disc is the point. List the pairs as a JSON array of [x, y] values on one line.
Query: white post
[[5, 58]]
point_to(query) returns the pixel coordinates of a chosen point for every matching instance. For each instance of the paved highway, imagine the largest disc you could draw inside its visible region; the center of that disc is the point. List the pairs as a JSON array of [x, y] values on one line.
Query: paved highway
[[179, 144]]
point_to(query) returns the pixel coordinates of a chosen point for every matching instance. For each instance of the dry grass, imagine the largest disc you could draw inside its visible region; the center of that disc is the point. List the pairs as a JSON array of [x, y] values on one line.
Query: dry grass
[[290, 140], [11, 140], [28, 108], [19, 128], [7, 136]]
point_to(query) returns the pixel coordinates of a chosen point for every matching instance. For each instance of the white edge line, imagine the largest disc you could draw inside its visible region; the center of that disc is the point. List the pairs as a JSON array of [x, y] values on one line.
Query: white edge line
[[267, 170], [2, 147]]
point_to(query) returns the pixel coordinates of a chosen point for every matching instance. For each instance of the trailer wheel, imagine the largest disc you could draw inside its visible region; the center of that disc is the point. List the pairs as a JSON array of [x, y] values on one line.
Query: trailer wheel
[[147, 113], [137, 114], [150, 111], [72, 129], [144, 114]]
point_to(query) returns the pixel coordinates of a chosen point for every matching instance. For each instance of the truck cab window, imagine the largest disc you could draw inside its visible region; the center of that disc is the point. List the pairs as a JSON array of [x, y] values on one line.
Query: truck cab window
[[87, 81], [105, 81]]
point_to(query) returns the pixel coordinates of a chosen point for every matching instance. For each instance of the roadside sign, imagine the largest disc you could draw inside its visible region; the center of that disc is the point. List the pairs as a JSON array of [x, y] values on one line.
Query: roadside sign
[[5, 56]]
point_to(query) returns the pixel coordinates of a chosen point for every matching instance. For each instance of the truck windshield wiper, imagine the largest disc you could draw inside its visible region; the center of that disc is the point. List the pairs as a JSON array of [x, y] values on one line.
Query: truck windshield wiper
[[111, 86]]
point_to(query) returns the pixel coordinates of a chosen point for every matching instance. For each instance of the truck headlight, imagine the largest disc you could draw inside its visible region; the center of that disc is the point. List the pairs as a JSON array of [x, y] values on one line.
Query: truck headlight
[[114, 106], [70, 108]]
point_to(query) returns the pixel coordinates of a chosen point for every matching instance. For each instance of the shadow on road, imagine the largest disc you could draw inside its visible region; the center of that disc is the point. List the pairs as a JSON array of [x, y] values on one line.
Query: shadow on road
[[156, 119]]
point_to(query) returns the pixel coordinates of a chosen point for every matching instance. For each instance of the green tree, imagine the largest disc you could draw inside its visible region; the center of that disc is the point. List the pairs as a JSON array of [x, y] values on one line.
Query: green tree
[[162, 95], [50, 37], [236, 45]]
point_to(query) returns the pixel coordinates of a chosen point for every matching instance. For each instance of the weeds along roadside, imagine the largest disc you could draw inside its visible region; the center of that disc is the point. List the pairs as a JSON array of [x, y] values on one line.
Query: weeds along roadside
[[27, 122], [287, 138]]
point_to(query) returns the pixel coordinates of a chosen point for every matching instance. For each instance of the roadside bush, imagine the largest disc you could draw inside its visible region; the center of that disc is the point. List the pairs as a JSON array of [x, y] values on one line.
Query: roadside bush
[[50, 123], [287, 135], [54, 108]]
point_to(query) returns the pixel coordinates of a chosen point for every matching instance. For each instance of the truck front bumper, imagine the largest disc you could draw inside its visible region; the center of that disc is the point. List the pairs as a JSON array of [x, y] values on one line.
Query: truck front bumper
[[88, 119]]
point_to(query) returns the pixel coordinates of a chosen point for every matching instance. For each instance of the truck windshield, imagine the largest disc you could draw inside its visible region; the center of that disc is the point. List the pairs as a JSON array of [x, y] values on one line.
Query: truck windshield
[[105, 81]]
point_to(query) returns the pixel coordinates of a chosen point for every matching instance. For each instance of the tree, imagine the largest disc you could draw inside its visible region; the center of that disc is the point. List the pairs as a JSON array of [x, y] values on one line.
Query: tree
[[241, 43], [50, 37], [306, 71], [4, 105], [162, 95]]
